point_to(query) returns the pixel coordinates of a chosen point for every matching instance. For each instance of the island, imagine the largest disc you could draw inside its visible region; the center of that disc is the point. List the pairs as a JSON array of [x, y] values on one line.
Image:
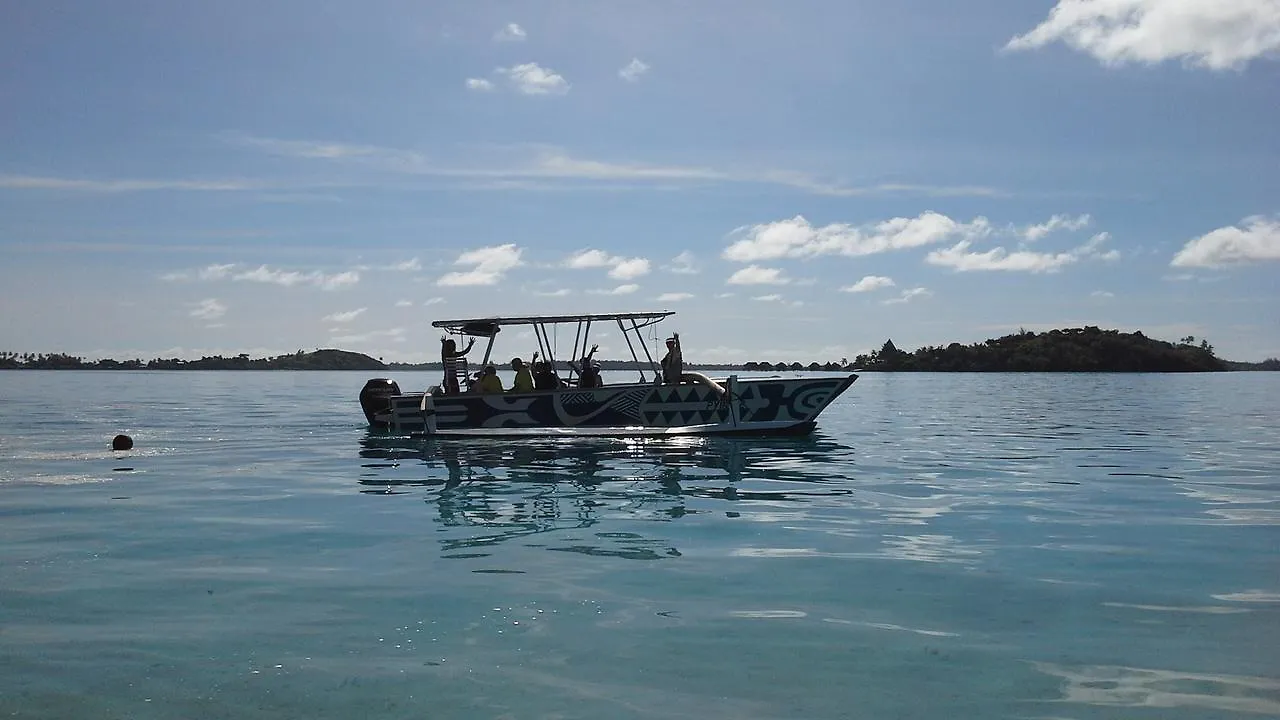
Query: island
[[1086, 349], [318, 360]]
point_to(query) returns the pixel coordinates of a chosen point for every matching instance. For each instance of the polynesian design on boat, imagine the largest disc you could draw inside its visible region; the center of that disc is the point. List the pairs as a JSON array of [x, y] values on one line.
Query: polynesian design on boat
[[688, 403]]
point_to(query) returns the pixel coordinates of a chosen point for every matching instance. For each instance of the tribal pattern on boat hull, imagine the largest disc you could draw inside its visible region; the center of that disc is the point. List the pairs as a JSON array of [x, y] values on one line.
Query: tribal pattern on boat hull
[[772, 402]]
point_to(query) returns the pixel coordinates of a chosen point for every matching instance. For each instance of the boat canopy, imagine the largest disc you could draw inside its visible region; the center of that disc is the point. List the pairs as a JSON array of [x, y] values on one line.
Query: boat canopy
[[629, 324], [487, 327]]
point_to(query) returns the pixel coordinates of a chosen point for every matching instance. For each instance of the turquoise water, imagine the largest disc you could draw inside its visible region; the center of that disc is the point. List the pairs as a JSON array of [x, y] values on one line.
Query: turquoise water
[[945, 546]]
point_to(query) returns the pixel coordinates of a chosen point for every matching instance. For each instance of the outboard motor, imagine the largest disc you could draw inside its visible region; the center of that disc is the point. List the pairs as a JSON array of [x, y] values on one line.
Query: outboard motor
[[376, 398]]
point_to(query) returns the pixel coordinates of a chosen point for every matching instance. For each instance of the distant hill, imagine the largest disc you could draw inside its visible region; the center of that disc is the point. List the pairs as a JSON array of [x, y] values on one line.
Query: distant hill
[[318, 360], [326, 360], [1268, 364], [1087, 349]]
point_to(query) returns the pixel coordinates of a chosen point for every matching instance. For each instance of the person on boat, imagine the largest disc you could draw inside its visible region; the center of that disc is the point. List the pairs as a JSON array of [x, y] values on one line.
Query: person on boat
[[489, 381], [524, 379], [589, 370], [544, 378], [449, 356], [673, 361]]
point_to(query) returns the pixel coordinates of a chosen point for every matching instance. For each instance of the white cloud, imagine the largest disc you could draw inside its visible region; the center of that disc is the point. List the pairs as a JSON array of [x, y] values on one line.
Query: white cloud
[[511, 32], [490, 265], [1215, 34], [619, 290], [683, 264], [265, 274], [959, 257], [768, 298], [1091, 248], [1102, 294], [798, 239], [344, 317], [1058, 222], [432, 301], [589, 258], [36, 182], [620, 268], [630, 268], [633, 70], [335, 281], [215, 272], [397, 159], [908, 295], [533, 79], [552, 163], [291, 278], [410, 265], [675, 297], [404, 303], [869, 283], [560, 292], [1258, 240], [210, 272], [757, 275], [479, 84], [209, 309]]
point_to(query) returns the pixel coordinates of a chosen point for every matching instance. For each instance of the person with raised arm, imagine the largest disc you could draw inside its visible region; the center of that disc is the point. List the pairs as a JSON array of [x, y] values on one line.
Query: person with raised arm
[[673, 361], [589, 370], [449, 356]]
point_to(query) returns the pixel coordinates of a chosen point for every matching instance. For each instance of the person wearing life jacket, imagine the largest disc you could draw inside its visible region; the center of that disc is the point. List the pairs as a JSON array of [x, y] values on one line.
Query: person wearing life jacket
[[524, 379], [489, 381]]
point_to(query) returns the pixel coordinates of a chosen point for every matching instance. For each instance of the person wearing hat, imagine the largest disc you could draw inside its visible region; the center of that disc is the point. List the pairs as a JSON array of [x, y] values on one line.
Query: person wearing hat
[[672, 362], [489, 381]]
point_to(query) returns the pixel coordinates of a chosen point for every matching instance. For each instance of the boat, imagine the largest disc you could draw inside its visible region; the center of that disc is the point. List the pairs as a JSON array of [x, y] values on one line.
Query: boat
[[661, 402]]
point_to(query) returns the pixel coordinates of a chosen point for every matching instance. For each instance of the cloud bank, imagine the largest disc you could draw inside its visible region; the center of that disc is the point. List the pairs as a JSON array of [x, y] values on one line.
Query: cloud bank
[[1213, 34], [1258, 240]]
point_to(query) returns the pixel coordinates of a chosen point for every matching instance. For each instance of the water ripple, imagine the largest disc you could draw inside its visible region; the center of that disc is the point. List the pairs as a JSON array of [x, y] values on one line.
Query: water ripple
[[944, 545]]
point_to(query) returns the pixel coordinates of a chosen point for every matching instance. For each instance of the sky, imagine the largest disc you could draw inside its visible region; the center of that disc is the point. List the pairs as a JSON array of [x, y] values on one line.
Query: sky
[[797, 181]]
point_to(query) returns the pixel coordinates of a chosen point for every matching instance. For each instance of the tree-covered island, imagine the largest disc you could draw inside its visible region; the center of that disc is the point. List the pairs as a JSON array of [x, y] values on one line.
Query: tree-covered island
[[318, 360], [1087, 349]]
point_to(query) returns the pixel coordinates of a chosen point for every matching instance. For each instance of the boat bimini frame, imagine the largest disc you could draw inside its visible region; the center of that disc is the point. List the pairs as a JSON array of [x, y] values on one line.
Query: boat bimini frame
[[631, 325]]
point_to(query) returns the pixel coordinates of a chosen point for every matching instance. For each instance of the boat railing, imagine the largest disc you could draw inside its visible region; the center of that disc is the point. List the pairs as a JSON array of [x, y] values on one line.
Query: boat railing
[[462, 373]]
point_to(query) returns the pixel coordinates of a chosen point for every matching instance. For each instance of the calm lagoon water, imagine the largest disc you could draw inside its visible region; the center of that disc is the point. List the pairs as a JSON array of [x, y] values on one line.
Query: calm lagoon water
[[945, 546]]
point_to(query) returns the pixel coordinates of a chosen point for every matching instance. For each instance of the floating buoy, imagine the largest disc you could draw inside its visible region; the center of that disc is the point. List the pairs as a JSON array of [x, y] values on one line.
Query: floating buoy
[[122, 442]]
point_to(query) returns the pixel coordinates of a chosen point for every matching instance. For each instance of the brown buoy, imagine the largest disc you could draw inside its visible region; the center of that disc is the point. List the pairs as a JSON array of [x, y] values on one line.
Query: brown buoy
[[122, 442]]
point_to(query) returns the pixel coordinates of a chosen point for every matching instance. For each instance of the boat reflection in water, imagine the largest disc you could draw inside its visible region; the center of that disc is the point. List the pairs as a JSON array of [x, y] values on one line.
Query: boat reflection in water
[[491, 493]]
